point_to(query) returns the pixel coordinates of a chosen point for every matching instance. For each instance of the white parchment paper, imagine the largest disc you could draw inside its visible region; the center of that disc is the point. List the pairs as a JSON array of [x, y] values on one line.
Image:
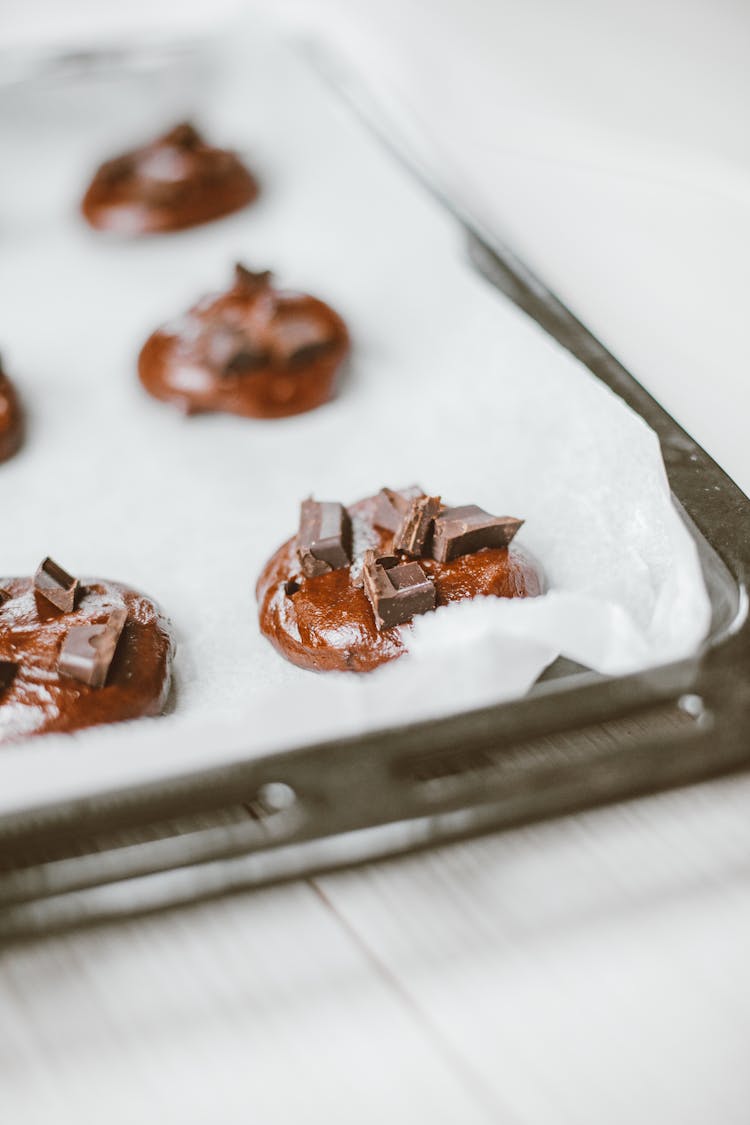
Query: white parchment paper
[[448, 386]]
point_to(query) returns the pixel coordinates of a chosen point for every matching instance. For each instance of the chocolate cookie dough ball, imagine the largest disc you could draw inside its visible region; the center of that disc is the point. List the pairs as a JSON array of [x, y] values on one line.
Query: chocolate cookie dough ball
[[254, 350], [11, 418], [333, 598], [176, 181], [75, 654]]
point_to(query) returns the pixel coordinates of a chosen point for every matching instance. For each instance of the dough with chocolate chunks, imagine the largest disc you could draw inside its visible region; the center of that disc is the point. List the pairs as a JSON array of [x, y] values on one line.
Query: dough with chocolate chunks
[[254, 350], [11, 418], [35, 698], [174, 182], [326, 623]]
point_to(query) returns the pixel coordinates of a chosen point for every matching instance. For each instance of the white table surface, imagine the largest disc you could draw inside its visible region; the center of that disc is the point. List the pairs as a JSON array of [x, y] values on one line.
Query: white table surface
[[593, 969]]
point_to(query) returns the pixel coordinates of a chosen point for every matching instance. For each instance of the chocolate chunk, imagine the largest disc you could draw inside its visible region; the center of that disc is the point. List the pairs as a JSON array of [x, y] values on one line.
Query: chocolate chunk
[[296, 337], [391, 506], [5, 596], [251, 282], [8, 669], [308, 353], [229, 351], [183, 135], [246, 359], [389, 509], [87, 650], [461, 531], [415, 528], [324, 538], [55, 585], [221, 344], [396, 591]]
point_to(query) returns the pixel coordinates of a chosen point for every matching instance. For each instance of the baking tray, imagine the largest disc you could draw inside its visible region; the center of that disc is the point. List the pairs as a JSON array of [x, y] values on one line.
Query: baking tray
[[575, 741]]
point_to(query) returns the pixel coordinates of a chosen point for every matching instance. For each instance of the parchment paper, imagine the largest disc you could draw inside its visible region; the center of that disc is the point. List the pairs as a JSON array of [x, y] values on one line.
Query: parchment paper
[[449, 386]]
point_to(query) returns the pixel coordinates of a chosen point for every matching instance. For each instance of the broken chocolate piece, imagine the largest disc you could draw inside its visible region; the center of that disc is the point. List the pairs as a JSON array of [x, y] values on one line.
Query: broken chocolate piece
[[229, 351], [87, 650], [55, 585], [325, 537], [388, 509], [246, 359], [248, 280], [221, 344], [183, 135], [391, 506], [309, 353], [8, 669], [297, 337], [415, 528], [397, 591], [5, 596], [463, 530]]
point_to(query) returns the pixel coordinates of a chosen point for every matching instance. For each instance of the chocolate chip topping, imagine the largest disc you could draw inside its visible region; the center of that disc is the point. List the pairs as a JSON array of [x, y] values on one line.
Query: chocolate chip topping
[[397, 591], [245, 360], [296, 336], [230, 351], [249, 281], [415, 528], [391, 506], [324, 538], [8, 669], [55, 585], [269, 334], [463, 530], [40, 699], [221, 344], [422, 527], [88, 650], [5, 596], [184, 135]]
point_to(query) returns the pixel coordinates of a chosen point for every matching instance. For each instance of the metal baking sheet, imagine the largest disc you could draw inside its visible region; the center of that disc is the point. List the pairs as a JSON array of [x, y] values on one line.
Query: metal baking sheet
[[577, 739]]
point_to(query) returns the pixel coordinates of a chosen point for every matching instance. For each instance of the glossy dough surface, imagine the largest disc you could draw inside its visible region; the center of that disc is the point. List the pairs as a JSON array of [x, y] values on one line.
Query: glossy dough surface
[[177, 181], [175, 363], [39, 700], [328, 625]]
